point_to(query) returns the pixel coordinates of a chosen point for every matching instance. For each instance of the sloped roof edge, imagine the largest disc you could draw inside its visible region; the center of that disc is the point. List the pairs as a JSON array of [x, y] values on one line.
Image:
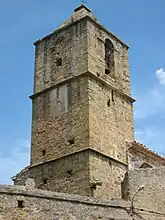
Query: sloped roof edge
[[141, 148]]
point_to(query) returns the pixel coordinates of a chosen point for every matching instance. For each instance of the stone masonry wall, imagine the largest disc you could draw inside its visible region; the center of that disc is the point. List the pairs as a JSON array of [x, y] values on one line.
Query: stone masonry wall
[[120, 77], [107, 174], [68, 45], [110, 120], [139, 158], [91, 117], [86, 172], [77, 106], [69, 174], [150, 199], [41, 205], [21, 177], [24, 203], [60, 121]]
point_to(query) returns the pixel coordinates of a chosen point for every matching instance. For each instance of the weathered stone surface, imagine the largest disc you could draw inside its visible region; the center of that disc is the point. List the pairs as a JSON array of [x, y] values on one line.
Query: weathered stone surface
[[152, 196], [69, 44], [69, 174], [139, 156], [30, 184], [82, 112], [63, 119], [78, 173], [109, 126], [119, 76], [41, 205], [106, 174], [82, 117], [21, 177]]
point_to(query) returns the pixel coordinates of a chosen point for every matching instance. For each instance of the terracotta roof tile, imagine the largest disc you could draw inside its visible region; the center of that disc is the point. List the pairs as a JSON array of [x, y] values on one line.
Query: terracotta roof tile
[[139, 147]]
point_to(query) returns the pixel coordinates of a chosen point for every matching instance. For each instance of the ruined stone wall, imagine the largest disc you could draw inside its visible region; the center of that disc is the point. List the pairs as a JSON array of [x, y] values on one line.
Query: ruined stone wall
[[60, 121], [21, 177], [110, 120], [119, 76]]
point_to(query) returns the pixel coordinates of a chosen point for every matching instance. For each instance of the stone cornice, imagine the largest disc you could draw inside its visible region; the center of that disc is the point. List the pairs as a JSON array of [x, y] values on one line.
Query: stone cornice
[[87, 17], [90, 74], [76, 152], [43, 194]]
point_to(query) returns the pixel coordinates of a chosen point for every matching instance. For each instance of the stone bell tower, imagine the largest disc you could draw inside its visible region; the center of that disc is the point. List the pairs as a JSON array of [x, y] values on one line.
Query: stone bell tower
[[82, 109]]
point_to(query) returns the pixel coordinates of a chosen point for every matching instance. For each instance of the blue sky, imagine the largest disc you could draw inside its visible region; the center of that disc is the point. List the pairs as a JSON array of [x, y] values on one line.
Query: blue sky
[[139, 23]]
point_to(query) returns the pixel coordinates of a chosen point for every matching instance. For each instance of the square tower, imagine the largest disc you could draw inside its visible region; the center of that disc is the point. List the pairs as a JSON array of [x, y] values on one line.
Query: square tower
[[82, 109]]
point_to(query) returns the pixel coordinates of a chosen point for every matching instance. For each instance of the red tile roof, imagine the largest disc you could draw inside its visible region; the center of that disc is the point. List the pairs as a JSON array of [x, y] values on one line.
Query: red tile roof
[[138, 147]]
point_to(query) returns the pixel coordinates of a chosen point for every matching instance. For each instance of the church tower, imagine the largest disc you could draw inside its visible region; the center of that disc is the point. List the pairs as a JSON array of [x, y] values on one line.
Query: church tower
[[82, 109]]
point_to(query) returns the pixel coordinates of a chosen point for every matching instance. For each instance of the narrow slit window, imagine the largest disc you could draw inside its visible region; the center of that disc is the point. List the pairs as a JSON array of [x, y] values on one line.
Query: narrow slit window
[[93, 188], [44, 152], [112, 94], [109, 56], [108, 102]]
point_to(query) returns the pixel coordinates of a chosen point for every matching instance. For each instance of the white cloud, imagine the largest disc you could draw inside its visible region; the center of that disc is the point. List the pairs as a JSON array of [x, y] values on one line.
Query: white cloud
[[14, 162], [149, 115], [152, 101], [160, 74]]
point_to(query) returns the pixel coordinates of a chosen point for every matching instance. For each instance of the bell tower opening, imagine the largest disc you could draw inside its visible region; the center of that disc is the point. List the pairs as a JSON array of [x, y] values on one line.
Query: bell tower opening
[[109, 56]]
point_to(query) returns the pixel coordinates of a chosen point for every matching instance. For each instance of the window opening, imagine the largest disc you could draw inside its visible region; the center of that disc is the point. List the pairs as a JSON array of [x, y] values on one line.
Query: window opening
[[59, 62], [112, 93], [44, 152], [109, 56], [45, 181], [20, 204], [108, 102], [93, 188], [69, 172], [72, 141]]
